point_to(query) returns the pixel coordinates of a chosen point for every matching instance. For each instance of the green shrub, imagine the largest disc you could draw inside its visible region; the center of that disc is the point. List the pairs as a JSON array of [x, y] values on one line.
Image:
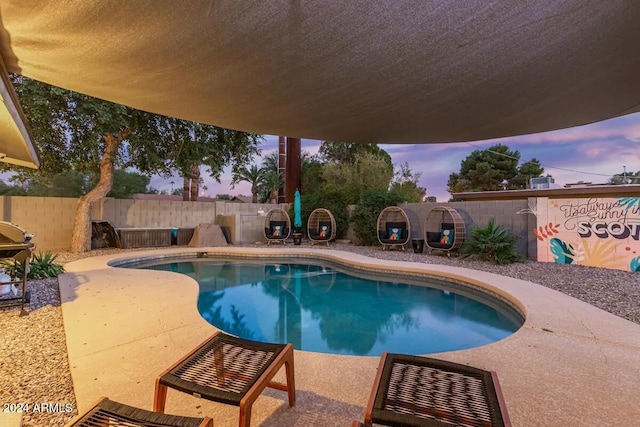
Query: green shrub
[[333, 201], [492, 244], [41, 266], [365, 216]]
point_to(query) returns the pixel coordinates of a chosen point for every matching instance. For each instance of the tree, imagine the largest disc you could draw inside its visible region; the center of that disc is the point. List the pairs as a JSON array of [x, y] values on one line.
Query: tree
[[271, 183], [349, 152], [493, 169], [369, 172], [64, 184], [347, 167], [311, 170], [253, 175], [270, 162], [405, 183], [11, 190], [625, 178], [78, 132], [126, 184], [272, 180], [197, 144], [526, 171]]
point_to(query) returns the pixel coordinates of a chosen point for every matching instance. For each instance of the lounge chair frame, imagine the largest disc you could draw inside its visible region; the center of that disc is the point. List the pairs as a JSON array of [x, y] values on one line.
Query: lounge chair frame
[[318, 216], [229, 370], [434, 392], [434, 224], [393, 214], [105, 412], [277, 214]]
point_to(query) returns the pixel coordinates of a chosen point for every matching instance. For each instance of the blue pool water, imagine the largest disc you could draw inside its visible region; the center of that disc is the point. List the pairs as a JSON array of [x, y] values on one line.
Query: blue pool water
[[319, 308]]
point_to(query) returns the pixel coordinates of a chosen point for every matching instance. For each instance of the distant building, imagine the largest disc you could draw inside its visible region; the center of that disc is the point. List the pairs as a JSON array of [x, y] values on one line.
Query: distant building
[[541, 182], [579, 190]]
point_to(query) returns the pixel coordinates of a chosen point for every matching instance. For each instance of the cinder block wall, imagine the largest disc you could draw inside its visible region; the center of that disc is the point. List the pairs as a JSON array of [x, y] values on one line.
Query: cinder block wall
[[49, 218], [127, 213], [505, 213]]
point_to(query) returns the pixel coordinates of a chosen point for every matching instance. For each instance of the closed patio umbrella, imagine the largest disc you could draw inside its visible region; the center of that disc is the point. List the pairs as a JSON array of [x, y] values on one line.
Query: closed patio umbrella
[[297, 211]]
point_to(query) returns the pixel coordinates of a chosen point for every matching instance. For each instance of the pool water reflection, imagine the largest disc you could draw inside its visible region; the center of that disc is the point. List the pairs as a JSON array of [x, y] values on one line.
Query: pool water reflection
[[318, 308]]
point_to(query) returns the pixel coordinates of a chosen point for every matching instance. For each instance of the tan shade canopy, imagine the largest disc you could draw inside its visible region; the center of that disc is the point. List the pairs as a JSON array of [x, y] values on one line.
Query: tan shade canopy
[[16, 143], [402, 71]]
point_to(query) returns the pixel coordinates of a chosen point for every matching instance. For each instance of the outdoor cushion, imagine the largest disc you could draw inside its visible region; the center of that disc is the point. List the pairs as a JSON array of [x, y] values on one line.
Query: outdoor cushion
[[396, 232], [433, 236], [277, 229], [324, 230], [446, 237], [448, 226]]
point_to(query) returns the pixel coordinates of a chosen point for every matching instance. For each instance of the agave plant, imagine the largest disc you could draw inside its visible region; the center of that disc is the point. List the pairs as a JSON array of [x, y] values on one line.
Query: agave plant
[[41, 266], [492, 243]]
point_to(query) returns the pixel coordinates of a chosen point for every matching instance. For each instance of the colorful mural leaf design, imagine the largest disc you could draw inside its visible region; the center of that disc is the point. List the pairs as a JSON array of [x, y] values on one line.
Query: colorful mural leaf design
[[562, 253], [601, 254], [546, 231], [578, 253], [629, 202], [634, 266]]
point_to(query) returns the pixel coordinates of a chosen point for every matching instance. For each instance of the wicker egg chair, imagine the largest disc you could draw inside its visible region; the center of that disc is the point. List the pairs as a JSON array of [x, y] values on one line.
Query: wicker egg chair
[[444, 230], [321, 226], [277, 226], [394, 228]]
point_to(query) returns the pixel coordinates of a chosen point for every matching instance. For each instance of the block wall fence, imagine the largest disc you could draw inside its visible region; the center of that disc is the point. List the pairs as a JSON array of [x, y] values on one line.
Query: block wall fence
[[51, 218]]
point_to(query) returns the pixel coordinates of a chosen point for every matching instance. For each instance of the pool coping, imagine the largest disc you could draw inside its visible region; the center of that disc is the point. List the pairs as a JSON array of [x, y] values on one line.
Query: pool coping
[[125, 326]]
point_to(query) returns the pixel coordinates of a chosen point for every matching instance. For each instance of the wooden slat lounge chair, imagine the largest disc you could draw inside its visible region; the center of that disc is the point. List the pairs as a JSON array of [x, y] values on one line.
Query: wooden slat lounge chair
[[321, 226], [229, 370], [277, 226], [445, 230], [420, 391], [106, 412], [394, 228]]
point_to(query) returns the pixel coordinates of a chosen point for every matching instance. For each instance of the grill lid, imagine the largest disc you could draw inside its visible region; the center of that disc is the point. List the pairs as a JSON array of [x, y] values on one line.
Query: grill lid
[[15, 242]]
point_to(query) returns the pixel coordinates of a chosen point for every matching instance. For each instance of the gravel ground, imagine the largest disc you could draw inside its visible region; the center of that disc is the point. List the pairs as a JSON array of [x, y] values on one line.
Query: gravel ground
[[34, 367]]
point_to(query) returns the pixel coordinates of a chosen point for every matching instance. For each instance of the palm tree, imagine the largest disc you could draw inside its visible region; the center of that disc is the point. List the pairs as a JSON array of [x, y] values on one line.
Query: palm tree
[[254, 175], [270, 162], [271, 183]]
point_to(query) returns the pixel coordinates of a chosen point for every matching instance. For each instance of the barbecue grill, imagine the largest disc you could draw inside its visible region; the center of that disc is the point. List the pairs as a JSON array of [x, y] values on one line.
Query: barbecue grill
[[15, 244]]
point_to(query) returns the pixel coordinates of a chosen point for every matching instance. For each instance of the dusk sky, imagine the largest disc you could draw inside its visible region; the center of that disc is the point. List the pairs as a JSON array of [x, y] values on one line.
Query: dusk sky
[[590, 153]]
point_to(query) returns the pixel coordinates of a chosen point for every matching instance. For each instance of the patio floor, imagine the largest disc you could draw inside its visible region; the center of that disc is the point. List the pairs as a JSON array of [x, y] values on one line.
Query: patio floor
[[570, 364]]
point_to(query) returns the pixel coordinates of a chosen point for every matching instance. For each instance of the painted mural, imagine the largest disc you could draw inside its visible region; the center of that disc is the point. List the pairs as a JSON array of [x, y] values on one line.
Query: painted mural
[[596, 232]]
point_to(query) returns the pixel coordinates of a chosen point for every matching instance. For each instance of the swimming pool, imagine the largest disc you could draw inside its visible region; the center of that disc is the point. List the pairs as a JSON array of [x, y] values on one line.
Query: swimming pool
[[325, 308]]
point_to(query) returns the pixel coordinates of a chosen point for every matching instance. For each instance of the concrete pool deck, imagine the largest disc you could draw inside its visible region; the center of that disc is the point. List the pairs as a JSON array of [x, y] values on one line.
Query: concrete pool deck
[[571, 364]]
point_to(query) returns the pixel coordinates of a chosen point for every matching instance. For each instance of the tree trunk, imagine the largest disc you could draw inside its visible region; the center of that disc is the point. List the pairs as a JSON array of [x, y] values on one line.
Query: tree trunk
[[186, 189], [195, 182], [81, 236], [254, 193]]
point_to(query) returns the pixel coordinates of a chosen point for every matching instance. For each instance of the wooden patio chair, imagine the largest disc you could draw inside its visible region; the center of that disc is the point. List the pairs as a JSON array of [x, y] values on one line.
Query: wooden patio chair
[[106, 412], [421, 391]]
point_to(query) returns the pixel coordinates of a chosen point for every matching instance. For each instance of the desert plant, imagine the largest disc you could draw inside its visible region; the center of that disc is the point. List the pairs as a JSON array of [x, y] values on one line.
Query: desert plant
[[491, 243], [365, 216], [41, 266]]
